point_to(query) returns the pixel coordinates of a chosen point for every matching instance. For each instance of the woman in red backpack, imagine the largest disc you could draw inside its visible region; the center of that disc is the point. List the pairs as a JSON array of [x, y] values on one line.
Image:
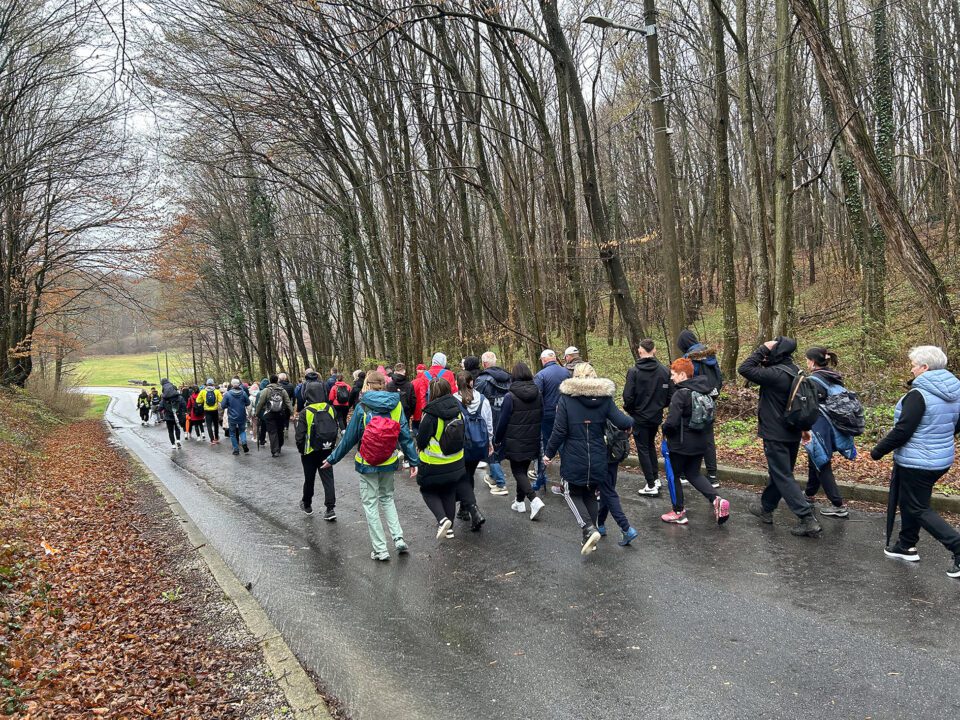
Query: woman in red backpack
[[340, 399], [377, 427], [195, 413]]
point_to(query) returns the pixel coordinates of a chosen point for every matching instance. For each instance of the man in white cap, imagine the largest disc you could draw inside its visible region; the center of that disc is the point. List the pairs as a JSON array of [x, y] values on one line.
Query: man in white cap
[[571, 358], [437, 369], [548, 381]]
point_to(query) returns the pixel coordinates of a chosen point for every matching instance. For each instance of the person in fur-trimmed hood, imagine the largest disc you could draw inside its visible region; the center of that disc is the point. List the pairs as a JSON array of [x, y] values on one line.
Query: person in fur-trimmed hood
[[579, 435]]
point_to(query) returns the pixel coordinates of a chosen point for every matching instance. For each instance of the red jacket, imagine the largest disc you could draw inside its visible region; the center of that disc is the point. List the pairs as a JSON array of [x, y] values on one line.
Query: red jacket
[[333, 393], [422, 382]]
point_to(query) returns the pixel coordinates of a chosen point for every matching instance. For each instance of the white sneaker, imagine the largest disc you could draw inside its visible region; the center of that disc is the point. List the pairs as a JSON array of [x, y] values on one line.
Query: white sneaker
[[406, 465], [532, 474], [481, 465], [684, 481], [497, 490], [536, 505], [443, 529], [520, 507], [647, 490]]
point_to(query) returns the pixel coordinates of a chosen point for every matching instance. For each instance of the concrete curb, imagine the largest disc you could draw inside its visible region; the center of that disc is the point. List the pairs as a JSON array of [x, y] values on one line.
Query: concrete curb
[[298, 689], [851, 491]]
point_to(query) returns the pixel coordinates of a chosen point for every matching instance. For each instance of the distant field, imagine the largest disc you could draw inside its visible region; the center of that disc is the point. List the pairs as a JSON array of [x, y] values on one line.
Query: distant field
[[117, 370]]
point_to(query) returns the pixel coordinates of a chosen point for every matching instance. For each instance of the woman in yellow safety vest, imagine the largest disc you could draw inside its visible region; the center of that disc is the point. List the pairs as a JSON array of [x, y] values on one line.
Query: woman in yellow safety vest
[[440, 472]]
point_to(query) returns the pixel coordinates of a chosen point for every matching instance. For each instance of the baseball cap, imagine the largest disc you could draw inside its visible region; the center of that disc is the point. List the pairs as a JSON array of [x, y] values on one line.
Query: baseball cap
[[572, 350]]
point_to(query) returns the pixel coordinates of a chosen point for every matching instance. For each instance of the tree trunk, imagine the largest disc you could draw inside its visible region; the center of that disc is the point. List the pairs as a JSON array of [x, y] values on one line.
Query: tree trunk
[[783, 306]]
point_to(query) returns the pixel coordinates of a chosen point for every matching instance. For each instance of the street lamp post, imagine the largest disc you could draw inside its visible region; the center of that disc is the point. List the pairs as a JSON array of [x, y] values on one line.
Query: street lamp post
[[662, 166]]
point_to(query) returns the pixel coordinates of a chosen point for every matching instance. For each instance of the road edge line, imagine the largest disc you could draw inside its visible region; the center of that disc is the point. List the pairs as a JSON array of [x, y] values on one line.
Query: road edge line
[[300, 692]]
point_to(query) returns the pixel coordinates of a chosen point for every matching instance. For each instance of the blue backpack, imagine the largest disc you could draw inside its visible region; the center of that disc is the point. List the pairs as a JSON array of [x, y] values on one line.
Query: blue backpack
[[476, 441]]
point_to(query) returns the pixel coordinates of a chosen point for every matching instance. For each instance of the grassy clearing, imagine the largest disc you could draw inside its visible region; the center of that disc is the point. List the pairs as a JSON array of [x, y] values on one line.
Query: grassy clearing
[[118, 370], [98, 406]]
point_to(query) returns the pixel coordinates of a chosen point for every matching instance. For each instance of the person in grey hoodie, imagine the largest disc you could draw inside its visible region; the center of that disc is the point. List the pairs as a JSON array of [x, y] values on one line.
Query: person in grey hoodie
[[922, 442], [235, 402], [276, 408]]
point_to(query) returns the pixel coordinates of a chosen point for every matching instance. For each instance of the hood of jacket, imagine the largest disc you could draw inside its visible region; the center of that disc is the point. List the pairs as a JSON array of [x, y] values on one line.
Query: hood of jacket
[[829, 375], [500, 376], [782, 351], [380, 401], [236, 392], [313, 391], [264, 382], [647, 365], [590, 392], [471, 363], [705, 354], [698, 383], [311, 377], [473, 406], [687, 340], [942, 383], [400, 380], [445, 407], [526, 390]]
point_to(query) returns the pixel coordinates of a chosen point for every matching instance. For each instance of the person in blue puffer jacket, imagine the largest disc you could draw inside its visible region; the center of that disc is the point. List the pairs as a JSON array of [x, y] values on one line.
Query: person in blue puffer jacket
[[922, 440]]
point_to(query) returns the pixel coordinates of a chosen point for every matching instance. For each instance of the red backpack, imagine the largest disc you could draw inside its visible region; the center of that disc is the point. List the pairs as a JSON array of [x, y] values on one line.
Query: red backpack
[[380, 436]]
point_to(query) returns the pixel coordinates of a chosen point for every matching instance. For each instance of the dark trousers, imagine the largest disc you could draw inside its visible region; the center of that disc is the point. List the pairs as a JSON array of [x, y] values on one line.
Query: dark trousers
[[465, 495], [781, 459], [340, 413], [823, 478], [262, 430], [519, 469], [173, 427], [915, 488], [546, 430], [212, 418], [582, 501], [442, 500], [197, 427], [710, 456], [276, 424], [311, 466], [688, 466], [610, 500], [144, 413], [645, 438]]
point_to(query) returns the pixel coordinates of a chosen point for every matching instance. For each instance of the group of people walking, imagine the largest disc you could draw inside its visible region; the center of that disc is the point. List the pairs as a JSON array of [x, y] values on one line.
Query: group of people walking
[[443, 425]]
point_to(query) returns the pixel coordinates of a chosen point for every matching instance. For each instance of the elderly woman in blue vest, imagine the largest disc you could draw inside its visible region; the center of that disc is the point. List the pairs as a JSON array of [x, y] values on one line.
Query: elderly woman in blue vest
[[579, 435], [441, 473], [926, 419], [377, 481]]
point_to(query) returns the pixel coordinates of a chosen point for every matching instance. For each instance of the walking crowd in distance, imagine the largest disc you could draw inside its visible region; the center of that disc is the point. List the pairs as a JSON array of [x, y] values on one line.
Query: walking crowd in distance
[[444, 424]]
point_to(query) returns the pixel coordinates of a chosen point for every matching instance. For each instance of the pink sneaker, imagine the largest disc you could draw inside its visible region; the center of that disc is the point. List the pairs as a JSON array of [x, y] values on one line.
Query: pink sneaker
[[721, 510], [677, 518]]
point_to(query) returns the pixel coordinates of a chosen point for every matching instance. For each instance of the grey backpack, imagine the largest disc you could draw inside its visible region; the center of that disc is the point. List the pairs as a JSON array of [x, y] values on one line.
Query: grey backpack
[[702, 412]]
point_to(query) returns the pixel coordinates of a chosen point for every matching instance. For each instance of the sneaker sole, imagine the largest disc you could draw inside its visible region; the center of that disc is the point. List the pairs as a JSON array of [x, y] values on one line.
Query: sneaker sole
[[838, 516], [442, 530], [591, 544], [330, 519], [682, 521], [898, 556], [648, 494], [723, 513], [952, 574], [535, 513]]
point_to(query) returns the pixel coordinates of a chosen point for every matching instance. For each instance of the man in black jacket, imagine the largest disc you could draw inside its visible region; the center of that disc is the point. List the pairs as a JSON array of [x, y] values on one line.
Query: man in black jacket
[[645, 395], [771, 367]]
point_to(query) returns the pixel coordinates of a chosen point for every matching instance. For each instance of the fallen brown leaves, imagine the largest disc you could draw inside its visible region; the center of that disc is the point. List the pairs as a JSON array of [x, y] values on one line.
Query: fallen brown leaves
[[97, 619]]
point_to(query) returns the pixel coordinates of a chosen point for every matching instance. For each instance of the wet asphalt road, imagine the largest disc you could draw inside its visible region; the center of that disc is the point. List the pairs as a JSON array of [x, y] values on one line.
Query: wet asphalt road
[[743, 621]]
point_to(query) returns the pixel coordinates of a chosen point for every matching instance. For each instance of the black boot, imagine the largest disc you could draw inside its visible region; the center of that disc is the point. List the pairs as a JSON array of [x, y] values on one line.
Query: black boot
[[808, 526], [476, 518], [463, 513]]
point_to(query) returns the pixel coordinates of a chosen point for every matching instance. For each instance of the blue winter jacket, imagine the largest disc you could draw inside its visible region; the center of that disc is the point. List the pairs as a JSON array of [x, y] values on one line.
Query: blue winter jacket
[[235, 402], [548, 381], [824, 438], [931, 447], [376, 402], [579, 431]]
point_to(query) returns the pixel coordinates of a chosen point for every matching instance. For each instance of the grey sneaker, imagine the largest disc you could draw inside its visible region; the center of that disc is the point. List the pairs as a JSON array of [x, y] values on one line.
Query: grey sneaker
[[382, 555], [954, 572], [756, 508], [836, 512], [401, 546], [330, 515]]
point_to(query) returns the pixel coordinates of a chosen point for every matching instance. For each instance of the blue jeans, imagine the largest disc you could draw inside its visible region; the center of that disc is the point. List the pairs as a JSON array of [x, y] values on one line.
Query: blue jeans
[[237, 429], [610, 500], [496, 472], [546, 430]]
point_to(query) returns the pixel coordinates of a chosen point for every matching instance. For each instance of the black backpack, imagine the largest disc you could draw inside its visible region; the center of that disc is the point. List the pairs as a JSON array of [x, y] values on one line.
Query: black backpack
[[802, 408], [170, 392], [618, 443], [453, 437], [343, 395], [324, 431]]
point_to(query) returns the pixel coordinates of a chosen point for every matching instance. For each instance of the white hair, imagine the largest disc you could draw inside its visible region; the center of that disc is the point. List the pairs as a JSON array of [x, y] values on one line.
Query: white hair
[[488, 358], [282, 376], [930, 355]]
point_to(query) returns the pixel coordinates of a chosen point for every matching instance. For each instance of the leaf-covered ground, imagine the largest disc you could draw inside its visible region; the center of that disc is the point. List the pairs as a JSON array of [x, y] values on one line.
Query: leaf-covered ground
[[105, 610]]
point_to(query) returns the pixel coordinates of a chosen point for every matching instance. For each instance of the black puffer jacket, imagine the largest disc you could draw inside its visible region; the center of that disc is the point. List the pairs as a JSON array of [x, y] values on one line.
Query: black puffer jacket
[[676, 429], [579, 430], [517, 433], [647, 391], [431, 475], [408, 398], [774, 371]]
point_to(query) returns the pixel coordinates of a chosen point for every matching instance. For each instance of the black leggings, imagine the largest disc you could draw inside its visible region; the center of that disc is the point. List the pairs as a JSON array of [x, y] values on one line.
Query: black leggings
[[823, 478], [442, 500], [689, 467], [519, 469], [645, 437], [465, 495], [144, 413], [213, 424], [173, 427], [583, 503], [196, 426]]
